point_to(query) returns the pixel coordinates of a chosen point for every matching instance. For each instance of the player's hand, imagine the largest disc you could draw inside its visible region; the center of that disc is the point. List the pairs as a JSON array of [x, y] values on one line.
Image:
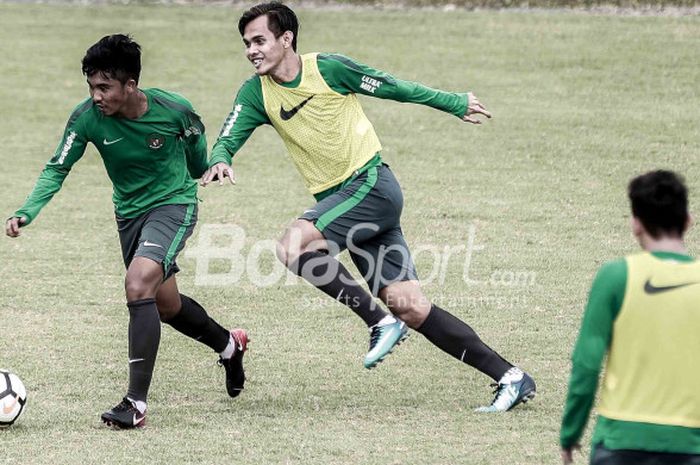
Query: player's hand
[[218, 172], [13, 224], [474, 108], [567, 454]]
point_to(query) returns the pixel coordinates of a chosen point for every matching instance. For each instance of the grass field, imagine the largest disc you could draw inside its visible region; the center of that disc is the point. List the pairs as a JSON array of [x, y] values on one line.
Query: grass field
[[581, 103]]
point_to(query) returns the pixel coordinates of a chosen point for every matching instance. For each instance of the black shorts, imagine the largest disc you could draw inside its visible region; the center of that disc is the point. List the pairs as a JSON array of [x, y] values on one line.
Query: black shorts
[[364, 216], [158, 234], [602, 456]]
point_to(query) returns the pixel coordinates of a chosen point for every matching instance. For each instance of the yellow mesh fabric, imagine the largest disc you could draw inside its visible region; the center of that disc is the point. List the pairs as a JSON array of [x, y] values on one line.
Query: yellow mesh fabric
[[650, 375], [328, 136]]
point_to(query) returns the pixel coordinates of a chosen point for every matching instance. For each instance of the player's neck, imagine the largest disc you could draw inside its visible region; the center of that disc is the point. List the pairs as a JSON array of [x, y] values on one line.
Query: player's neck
[[288, 69], [664, 244], [136, 106]]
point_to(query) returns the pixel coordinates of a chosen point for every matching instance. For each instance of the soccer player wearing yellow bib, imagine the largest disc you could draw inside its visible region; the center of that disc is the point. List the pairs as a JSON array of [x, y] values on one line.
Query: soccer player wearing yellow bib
[[311, 100], [643, 312]]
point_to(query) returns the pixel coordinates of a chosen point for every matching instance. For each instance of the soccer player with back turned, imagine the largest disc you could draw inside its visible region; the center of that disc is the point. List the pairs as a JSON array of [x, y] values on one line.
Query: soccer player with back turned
[[153, 146], [644, 313], [311, 101]]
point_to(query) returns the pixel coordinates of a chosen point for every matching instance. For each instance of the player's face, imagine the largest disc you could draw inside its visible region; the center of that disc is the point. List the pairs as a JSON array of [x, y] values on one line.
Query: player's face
[[262, 48], [109, 94]]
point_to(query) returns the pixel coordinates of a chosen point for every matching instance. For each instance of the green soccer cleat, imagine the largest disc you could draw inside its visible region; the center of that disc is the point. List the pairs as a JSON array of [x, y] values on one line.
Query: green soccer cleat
[[384, 336]]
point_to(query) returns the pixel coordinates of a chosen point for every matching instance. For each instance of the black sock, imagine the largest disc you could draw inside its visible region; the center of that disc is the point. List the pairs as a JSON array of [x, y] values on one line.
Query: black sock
[[144, 337], [458, 339], [193, 321], [330, 276]]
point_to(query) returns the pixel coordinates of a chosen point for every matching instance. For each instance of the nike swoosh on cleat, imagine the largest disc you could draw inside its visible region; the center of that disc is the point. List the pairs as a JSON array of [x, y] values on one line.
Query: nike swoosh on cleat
[[138, 420], [651, 289], [288, 114], [110, 142]]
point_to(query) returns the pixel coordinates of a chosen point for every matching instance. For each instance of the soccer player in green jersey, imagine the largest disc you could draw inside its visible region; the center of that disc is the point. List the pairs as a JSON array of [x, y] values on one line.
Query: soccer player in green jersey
[[153, 147], [643, 313], [311, 100]]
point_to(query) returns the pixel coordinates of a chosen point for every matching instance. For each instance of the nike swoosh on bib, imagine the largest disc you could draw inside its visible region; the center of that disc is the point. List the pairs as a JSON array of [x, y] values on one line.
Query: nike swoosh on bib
[[651, 289], [288, 114]]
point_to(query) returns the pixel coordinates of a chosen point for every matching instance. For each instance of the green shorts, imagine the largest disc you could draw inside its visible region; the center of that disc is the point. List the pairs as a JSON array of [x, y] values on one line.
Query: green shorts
[[364, 217], [158, 234]]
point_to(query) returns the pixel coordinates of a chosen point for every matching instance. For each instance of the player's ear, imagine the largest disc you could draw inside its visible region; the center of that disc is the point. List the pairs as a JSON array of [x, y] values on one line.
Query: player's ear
[[688, 223], [637, 227], [131, 85], [287, 39]]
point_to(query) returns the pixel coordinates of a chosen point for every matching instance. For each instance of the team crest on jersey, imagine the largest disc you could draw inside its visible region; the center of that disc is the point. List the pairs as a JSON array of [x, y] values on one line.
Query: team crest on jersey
[[155, 141]]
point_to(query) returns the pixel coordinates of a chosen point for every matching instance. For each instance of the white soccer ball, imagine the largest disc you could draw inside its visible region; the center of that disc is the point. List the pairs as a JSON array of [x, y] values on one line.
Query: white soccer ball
[[13, 397]]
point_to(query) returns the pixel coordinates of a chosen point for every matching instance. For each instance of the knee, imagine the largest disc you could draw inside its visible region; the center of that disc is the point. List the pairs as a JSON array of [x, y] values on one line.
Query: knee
[[283, 253], [167, 308], [302, 236], [413, 316], [138, 287], [412, 310]]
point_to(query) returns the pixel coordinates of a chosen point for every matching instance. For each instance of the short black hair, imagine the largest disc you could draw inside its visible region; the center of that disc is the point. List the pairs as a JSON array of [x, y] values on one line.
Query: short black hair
[[117, 56], [280, 19], [659, 199]]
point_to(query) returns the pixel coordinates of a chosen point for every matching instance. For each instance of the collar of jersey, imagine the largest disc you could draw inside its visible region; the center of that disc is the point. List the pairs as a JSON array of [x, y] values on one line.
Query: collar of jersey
[[294, 83], [672, 256]]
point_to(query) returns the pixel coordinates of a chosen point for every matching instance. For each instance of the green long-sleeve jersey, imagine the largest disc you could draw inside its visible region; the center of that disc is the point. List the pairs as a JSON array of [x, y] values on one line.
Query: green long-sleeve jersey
[[605, 301], [151, 160], [344, 76]]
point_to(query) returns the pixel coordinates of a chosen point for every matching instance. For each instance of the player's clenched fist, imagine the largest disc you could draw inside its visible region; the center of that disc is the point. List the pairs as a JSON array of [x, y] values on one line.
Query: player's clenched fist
[[13, 224]]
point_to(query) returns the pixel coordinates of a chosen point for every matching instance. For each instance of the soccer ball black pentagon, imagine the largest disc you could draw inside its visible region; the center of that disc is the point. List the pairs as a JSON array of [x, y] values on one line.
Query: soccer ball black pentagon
[[13, 397]]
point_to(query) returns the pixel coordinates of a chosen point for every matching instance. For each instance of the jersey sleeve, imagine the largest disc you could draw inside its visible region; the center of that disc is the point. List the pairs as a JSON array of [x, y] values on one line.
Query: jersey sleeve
[[69, 150], [345, 76], [195, 145], [604, 303], [247, 114], [192, 129]]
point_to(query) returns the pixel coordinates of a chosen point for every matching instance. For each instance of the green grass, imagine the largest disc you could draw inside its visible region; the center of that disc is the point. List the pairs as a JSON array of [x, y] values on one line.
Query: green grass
[[581, 104]]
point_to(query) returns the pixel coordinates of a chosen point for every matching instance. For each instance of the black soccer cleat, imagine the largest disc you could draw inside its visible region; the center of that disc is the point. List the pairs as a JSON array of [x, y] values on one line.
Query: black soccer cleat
[[235, 375], [125, 415]]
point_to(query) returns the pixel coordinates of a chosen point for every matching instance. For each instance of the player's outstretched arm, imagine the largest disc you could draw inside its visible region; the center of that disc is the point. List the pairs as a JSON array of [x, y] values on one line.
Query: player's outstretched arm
[[345, 75], [474, 107], [247, 114], [68, 152], [13, 224], [218, 171]]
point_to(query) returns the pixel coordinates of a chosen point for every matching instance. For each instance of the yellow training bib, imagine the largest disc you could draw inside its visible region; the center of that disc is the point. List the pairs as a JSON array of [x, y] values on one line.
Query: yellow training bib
[[326, 133], [652, 371]]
